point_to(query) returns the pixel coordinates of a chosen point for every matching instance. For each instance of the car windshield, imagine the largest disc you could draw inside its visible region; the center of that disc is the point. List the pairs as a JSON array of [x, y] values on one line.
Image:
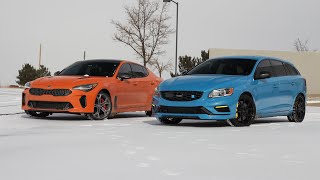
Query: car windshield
[[90, 68], [225, 66]]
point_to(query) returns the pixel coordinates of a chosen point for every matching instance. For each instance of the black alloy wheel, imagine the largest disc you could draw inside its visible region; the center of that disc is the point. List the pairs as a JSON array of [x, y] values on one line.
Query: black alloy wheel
[[102, 107], [299, 109], [246, 112]]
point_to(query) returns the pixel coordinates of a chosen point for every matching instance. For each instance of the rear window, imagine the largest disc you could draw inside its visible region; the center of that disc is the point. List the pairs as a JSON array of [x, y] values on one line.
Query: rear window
[[291, 70]]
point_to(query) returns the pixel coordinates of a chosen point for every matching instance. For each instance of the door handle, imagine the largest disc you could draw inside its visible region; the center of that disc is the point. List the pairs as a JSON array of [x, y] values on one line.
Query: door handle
[[153, 83], [135, 84], [275, 86], [292, 83]]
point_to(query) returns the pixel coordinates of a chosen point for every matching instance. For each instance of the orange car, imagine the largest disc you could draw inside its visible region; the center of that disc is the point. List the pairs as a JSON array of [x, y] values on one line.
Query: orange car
[[96, 88]]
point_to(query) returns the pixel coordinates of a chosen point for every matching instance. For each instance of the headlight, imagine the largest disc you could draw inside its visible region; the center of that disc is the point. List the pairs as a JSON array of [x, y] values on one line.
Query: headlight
[[157, 92], [85, 87], [221, 92], [27, 85]]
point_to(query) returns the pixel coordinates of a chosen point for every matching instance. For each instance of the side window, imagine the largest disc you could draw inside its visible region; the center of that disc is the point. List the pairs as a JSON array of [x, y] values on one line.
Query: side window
[[264, 66], [125, 70], [138, 71], [146, 73], [278, 68], [293, 71]]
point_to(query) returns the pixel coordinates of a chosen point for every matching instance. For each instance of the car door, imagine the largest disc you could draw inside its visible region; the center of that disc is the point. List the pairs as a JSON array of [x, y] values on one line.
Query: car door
[[265, 90], [141, 84], [284, 86], [126, 91]]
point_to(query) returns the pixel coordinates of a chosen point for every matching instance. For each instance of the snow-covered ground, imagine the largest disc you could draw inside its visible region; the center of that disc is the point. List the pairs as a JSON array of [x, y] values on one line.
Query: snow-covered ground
[[132, 146]]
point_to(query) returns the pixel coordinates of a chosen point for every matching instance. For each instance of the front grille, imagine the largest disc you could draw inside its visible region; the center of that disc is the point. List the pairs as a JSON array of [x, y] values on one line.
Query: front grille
[[53, 92], [181, 95], [50, 105], [183, 110]]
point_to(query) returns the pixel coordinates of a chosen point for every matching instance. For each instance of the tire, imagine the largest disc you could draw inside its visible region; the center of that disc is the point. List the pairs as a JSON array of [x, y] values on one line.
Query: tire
[[37, 114], [299, 110], [149, 113], [246, 112], [170, 121], [102, 107]]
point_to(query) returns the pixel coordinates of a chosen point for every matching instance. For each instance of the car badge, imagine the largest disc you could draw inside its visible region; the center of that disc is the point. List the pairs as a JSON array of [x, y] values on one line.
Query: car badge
[[49, 86], [179, 95]]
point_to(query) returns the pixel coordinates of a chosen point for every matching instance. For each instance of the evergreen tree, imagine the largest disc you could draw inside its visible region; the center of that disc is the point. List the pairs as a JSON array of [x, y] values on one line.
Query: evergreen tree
[[43, 71], [186, 63], [26, 74], [29, 73]]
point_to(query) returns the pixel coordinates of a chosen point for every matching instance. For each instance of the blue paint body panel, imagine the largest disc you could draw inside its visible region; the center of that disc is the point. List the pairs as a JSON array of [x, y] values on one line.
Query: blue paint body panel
[[273, 96]]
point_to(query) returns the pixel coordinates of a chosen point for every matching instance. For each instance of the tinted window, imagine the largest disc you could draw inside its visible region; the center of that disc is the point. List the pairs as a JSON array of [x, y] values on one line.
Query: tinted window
[[278, 68], [264, 66], [146, 73], [138, 71], [91, 68], [291, 70], [125, 70], [225, 66]]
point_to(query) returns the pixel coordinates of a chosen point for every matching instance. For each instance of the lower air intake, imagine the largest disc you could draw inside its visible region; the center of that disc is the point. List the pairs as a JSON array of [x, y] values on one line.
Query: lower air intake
[[50, 105]]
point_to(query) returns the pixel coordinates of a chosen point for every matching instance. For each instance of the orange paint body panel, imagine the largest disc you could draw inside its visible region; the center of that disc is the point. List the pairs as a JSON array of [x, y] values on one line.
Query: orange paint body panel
[[133, 94]]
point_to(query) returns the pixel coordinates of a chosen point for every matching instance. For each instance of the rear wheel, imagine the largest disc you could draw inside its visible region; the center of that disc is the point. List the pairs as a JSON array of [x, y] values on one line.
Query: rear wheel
[[170, 120], [37, 114], [102, 107], [299, 109], [246, 112], [149, 113]]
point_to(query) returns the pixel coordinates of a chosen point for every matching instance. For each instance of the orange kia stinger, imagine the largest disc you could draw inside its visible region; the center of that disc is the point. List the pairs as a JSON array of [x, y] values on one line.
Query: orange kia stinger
[[97, 88]]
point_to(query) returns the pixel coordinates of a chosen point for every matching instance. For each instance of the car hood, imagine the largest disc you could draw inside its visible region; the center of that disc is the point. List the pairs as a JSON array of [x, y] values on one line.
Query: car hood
[[65, 81], [201, 82]]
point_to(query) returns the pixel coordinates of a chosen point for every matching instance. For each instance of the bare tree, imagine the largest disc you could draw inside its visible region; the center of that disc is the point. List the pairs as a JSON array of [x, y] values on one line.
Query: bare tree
[[146, 30], [160, 66], [301, 46]]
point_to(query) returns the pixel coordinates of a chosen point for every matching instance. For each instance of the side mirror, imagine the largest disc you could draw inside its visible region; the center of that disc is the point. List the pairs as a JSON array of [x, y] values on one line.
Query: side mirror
[[56, 73], [264, 75], [124, 76]]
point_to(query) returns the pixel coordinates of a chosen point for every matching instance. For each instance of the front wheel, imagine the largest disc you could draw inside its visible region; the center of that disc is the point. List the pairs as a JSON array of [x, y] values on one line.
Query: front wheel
[[245, 113], [299, 110], [170, 121], [102, 107]]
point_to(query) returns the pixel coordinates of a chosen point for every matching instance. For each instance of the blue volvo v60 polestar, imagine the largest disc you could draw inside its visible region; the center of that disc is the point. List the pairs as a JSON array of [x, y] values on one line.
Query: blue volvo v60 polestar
[[237, 89]]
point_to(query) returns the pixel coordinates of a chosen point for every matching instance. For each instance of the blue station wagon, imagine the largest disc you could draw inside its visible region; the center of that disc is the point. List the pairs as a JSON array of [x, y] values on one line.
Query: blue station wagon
[[237, 89]]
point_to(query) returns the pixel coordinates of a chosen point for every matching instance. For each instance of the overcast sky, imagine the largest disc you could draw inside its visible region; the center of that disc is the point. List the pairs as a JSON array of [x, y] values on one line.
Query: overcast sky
[[68, 27]]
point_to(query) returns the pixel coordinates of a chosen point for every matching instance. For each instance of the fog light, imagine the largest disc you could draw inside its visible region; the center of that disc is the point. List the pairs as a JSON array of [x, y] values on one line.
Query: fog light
[[222, 108]]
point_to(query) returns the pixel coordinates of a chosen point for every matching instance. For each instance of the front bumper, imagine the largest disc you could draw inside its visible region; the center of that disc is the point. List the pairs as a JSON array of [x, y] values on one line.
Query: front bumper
[[76, 102], [203, 109]]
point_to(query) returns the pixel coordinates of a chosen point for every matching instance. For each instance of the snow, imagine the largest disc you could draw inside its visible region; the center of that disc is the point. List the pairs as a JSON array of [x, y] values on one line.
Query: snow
[[133, 146]]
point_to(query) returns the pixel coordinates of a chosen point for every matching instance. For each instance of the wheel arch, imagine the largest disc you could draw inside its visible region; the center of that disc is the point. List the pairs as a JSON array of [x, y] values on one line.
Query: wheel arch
[[249, 94], [113, 99]]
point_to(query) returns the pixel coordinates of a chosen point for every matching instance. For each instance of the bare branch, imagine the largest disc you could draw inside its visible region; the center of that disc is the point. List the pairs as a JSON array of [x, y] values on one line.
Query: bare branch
[[146, 30]]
